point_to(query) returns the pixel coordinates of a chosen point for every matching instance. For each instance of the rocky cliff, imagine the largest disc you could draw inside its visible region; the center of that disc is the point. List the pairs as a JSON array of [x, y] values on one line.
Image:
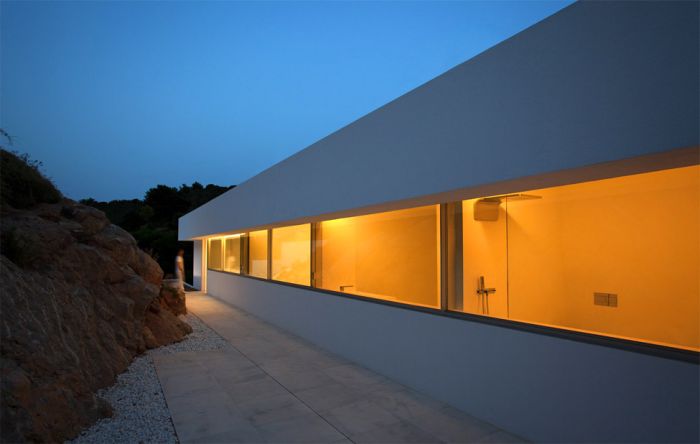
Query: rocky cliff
[[78, 301]]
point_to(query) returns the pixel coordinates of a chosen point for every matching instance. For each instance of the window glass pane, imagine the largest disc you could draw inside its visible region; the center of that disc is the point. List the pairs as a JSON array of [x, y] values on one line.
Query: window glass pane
[[214, 258], [291, 254], [232, 254], [257, 253], [617, 256], [392, 256]]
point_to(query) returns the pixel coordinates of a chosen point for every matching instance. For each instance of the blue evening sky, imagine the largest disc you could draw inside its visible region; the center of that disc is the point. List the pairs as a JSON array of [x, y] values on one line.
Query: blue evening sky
[[116, 97]]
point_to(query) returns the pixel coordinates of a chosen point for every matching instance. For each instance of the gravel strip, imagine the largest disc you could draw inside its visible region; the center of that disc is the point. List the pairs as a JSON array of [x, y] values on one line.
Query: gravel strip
[[140, 412]]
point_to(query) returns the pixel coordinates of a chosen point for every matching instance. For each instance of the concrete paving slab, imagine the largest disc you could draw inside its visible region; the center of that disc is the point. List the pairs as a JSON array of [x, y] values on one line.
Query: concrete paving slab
[[403, 432], [354, 376], [359, 417], [451, 425], [304, 429], [269, 409], [329, 396], [271, 386]]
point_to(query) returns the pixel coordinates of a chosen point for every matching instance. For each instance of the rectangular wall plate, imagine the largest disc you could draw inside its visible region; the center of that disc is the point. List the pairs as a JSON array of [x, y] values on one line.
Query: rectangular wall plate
[[605, 299], [601, 299]]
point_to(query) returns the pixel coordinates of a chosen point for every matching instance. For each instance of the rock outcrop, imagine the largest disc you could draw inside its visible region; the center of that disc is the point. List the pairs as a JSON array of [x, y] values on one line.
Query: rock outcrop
[[79, 300], [159, 330], [173, 296]]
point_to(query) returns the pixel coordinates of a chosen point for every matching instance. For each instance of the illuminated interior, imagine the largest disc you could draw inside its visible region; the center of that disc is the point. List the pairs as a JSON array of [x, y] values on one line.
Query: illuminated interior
[[257, 253], [617, 256], [291, 254], [232, 253], [392, 256], [214, 259]]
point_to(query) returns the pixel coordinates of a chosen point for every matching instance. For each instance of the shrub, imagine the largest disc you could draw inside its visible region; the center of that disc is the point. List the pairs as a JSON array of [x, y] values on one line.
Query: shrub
[[22, 183]]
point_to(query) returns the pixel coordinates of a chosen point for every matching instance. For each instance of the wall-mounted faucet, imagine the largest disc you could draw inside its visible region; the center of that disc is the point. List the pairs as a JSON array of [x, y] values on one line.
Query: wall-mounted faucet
[[483, 295]]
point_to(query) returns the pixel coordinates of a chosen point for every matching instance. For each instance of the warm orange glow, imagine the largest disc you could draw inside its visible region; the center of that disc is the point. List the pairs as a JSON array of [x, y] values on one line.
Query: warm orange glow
[[215, 258], [391, 256], [634, 236], [224, 253], [291, 254], [232, 253], [257, 253], [545, 252], [484, 255]]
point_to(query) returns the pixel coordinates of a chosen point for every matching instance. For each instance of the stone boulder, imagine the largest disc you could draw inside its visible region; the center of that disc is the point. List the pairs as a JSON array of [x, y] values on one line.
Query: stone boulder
[[79, 300], [173, 296]]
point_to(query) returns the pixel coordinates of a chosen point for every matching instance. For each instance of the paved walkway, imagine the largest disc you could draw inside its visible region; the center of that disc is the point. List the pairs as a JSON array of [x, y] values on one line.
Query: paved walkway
[[271, 386]]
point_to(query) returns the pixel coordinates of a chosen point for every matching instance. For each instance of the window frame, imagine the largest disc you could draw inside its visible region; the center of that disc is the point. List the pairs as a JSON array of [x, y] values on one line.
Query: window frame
[[448, 215]]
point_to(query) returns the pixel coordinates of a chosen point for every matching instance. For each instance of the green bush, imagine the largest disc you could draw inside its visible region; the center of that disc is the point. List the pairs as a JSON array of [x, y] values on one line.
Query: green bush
[[23, 184]]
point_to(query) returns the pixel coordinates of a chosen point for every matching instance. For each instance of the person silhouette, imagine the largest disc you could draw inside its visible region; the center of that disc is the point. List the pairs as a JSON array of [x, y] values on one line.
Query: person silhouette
[[180, 268]]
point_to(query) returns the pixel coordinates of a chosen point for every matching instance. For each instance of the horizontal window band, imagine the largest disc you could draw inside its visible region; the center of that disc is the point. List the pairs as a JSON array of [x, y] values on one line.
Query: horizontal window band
[[629, 345]]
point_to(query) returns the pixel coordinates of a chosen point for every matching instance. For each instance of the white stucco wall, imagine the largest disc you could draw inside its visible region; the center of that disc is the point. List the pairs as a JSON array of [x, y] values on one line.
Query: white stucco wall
[[596, 82], [543, 388], [197, 268]]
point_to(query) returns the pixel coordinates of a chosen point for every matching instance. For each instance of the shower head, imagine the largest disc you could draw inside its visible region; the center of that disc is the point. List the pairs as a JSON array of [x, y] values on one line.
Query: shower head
[[487, 208], [517, 196]]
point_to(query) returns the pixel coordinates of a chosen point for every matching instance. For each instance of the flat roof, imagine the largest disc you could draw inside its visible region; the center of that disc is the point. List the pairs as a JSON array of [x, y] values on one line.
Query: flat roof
[[597, 82]]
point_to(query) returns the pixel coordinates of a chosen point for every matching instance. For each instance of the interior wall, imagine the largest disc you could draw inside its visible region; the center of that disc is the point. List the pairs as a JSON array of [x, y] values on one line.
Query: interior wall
[[232, 254], [336, 247], [397, 254], [257, 253], [391, 255], [215, 259], [291, 254], [634, 236]]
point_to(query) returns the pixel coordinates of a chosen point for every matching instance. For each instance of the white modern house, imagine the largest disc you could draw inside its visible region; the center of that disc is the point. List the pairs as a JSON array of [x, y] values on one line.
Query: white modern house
[[518, 237]]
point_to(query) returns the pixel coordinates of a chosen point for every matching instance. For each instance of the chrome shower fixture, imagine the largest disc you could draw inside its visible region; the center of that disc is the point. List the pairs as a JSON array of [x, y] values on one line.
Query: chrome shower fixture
[[487, 209]]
